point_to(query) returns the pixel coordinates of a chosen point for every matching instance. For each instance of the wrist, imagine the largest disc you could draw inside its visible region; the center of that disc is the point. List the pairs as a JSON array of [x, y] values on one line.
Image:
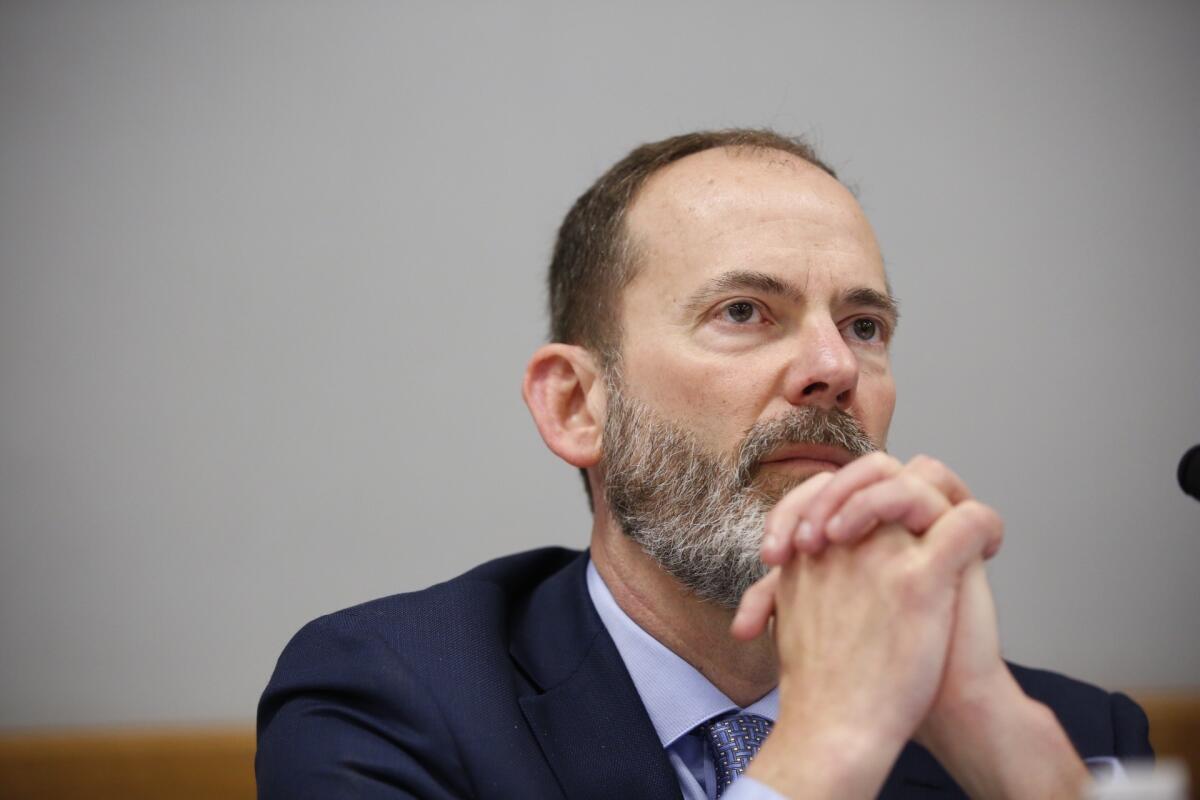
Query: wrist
[[1003, 744], [807, 757], [969, 707]]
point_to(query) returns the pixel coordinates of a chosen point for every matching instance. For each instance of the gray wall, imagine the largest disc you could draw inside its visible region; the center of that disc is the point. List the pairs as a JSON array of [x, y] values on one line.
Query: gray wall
[[269, 275]]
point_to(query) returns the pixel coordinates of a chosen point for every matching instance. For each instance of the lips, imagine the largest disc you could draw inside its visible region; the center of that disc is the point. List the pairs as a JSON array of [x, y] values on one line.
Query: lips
[[810, 452]]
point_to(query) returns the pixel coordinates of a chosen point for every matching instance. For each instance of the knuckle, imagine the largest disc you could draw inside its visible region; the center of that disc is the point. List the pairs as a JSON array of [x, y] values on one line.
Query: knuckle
[[855, 505], [910, 582], [888, 505], [883, 463], [899, 497], [981, 516], [910, 483], [920, 460], [823, 506], [934, 470], [873, 502], [954, 539]]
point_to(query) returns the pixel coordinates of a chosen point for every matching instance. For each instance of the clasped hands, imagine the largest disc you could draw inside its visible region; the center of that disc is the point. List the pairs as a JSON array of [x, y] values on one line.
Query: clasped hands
[[885, 630]]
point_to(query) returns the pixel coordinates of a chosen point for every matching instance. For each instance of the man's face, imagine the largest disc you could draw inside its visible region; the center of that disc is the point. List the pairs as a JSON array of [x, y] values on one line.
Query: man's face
[[759, 298]]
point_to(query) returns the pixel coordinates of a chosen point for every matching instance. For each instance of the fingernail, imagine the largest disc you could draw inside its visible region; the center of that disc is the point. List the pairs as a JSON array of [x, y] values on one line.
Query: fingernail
[[804, 533]]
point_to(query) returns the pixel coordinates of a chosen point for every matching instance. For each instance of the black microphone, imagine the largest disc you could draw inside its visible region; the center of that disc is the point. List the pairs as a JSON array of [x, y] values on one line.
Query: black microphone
[[1189, 472]]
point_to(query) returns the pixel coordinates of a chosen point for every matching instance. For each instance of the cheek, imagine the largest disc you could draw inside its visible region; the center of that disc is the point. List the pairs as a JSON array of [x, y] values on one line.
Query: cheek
[[717, 403], [877, 401]]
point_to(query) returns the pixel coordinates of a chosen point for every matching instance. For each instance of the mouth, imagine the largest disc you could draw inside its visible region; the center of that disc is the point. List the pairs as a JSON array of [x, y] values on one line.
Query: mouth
[[808, 457]]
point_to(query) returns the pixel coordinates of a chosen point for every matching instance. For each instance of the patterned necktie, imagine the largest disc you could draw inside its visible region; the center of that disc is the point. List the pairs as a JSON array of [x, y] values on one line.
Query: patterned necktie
[[734, 741]]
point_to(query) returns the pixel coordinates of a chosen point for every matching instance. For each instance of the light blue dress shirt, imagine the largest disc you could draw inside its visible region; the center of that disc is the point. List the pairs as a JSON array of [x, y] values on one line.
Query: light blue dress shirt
[[678, 698]]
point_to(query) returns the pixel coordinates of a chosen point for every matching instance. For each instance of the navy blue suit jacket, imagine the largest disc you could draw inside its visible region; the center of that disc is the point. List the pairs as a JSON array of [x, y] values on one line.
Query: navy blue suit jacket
[[503, 683]]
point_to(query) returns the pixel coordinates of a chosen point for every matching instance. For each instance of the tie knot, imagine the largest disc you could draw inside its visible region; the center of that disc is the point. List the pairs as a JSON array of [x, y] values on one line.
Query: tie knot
[[734, 741]]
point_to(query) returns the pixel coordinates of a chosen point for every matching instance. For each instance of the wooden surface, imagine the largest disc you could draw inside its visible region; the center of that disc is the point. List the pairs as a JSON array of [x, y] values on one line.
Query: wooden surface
[[1174, 727], [218, 763], [180, 764]]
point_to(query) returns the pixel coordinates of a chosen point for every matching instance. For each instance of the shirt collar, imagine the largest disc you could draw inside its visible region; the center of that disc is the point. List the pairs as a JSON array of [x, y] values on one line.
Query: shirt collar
[[676, 695]]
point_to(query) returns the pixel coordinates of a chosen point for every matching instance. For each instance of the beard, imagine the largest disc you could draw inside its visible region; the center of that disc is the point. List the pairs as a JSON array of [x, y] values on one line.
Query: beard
[[699, 514]]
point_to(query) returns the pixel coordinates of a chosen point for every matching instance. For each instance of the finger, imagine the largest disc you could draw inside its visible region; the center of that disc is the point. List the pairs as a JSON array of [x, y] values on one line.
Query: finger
[[966, 532], [993, 545], [941, 476], [778, 545], [758, 603], [856, 475], [904, 499]]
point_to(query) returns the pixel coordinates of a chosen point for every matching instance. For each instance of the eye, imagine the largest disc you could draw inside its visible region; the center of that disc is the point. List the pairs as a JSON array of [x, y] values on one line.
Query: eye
[[741, 311], [865, 329]]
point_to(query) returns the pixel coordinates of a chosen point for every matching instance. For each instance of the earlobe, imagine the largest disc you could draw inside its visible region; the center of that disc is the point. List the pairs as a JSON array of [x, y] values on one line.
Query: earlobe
[[558, 389]]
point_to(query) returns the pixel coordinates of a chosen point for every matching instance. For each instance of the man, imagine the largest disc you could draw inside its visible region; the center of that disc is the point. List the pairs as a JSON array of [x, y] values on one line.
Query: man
[[719, 372]]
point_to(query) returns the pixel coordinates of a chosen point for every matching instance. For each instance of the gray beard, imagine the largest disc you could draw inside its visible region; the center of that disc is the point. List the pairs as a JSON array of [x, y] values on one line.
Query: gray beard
[[697, 513]]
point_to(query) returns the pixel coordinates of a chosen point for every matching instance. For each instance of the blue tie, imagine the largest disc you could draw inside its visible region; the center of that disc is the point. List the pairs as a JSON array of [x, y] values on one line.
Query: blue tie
[[734, 741]]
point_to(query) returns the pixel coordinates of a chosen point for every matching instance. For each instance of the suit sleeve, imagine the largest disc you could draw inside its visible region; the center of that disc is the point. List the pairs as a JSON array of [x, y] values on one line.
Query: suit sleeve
[[343, 716], [1131, 729]]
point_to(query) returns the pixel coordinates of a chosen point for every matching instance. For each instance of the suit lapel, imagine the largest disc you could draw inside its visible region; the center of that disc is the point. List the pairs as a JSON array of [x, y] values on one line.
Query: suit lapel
[[584, 710]]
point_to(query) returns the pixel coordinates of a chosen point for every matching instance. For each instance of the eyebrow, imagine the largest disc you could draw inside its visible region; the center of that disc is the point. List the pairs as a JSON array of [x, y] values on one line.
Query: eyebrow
[[742, 279], [882, 302], [865, 297]]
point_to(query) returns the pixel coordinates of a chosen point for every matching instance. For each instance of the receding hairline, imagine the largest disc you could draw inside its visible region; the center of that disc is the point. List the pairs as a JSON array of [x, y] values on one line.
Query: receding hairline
[[761, 153], [633, 247]]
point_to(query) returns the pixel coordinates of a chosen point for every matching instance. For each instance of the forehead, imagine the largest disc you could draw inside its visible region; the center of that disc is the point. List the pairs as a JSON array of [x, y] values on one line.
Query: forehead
[[749, 209]]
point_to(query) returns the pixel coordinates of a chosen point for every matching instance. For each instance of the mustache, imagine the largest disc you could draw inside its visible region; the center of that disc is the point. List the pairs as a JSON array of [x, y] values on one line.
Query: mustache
[[807, 425]]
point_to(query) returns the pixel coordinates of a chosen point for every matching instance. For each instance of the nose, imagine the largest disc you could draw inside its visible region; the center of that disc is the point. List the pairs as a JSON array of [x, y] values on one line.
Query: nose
[[823, 370]]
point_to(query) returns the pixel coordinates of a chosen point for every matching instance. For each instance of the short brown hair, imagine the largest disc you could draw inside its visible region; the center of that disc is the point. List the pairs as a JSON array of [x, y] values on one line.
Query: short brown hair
[[593, 260]]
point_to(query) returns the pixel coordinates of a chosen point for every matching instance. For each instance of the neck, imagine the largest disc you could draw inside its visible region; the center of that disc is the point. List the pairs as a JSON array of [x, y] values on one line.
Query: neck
[[696, 630]]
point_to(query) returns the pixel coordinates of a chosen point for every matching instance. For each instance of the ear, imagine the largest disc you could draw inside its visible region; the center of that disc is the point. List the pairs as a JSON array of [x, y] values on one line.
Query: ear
[[566, 398]]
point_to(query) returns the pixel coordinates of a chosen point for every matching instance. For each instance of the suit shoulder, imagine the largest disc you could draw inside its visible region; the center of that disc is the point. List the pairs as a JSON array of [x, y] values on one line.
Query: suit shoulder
[[392, 692], [1099, 722], [466, 614], [1053, 688], [483, 591]]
